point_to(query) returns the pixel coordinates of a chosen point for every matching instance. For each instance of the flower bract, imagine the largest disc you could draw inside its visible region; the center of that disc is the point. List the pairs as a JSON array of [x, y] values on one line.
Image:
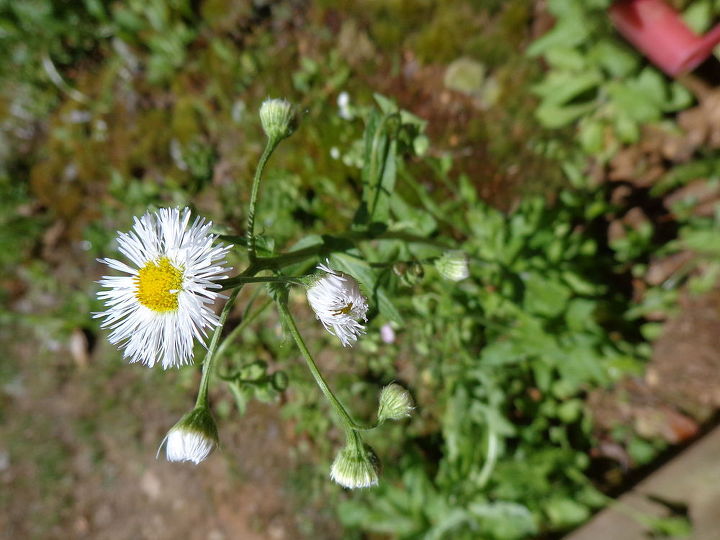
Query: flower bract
[[356, 466]]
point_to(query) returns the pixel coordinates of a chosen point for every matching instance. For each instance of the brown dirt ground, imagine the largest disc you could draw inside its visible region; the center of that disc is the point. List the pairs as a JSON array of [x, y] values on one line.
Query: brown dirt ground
[[77, 459]]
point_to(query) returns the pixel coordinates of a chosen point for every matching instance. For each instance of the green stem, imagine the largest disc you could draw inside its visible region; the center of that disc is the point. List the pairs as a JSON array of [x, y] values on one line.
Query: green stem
[[292, 257], [240, 280], [269, 148], [240, 327], [210, 356], [348, 423], [328, 245]]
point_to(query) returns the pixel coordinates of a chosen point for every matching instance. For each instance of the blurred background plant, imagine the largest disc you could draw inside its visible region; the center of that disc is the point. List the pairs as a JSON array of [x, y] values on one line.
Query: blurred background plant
[[555, 177]]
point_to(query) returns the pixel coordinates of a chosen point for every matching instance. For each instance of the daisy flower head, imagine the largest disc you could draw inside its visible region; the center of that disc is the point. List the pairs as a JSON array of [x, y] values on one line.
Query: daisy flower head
[[157, 310], [338, 304]]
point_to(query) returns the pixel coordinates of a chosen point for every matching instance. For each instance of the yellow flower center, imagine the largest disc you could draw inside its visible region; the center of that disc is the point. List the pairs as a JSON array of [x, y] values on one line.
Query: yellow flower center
[[158, 285]]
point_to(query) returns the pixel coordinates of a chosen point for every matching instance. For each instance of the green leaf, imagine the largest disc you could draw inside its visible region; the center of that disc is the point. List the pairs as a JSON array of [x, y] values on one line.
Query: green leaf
[[566, 59], [556, 116], [504, 520], [632, 102], [566, 512], [387, 105], [619, 61], [699, 16], [592, 136], [379, 168], [419, 221], [567, 33], [545, 296], [561, 87], [652, 85], [706, 241], [680, 98]]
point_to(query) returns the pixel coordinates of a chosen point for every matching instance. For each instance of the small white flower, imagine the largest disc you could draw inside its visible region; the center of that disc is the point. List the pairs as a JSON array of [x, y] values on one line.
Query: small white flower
[[159, 309], [338, 304], [192, 438], [343, 103]]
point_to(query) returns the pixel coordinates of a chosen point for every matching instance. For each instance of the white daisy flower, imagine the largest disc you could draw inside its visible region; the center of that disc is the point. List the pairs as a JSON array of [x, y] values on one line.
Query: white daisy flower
[[338, 304], [157, 310]]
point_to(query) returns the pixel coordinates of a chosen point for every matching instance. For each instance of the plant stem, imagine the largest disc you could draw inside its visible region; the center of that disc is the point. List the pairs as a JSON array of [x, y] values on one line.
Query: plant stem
[[285, 259], [348, 423], [239, 280], [240, 327], [269, 148], [210, 356]]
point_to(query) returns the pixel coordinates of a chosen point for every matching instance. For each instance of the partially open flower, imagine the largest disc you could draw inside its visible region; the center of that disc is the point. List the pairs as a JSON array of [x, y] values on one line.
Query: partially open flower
[[192, 438], [338, 304], [356, 466], [453, 265]]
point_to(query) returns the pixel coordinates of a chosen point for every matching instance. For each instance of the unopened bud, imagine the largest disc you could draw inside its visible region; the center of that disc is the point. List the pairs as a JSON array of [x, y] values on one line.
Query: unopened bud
[[395, 403], [356, 466], [453, 265], [193, 437], [277, 117]]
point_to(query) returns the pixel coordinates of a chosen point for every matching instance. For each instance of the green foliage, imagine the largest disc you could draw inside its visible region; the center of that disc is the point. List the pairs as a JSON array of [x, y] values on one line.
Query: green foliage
[[597, 82], [501, 360]]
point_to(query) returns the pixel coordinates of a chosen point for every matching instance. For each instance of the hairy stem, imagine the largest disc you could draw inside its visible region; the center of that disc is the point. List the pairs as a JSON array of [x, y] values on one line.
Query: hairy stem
[[269, 148], [348, 423], [210, 356], [240, 327], [242, 279]]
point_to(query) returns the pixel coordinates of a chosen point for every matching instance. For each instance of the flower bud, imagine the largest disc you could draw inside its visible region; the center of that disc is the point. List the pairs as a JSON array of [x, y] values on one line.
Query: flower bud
[[193, 437], [453, 265], [277, 117], [356, 466], [395, 403]]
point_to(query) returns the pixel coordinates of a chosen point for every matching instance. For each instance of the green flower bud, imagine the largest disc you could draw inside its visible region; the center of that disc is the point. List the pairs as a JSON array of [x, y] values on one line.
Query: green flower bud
[[453, 265], [356, 466], [277, 117], [193, 437], [395, 403]]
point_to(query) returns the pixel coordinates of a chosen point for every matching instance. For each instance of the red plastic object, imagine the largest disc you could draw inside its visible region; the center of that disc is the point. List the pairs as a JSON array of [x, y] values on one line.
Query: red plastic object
[[659, 32]]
